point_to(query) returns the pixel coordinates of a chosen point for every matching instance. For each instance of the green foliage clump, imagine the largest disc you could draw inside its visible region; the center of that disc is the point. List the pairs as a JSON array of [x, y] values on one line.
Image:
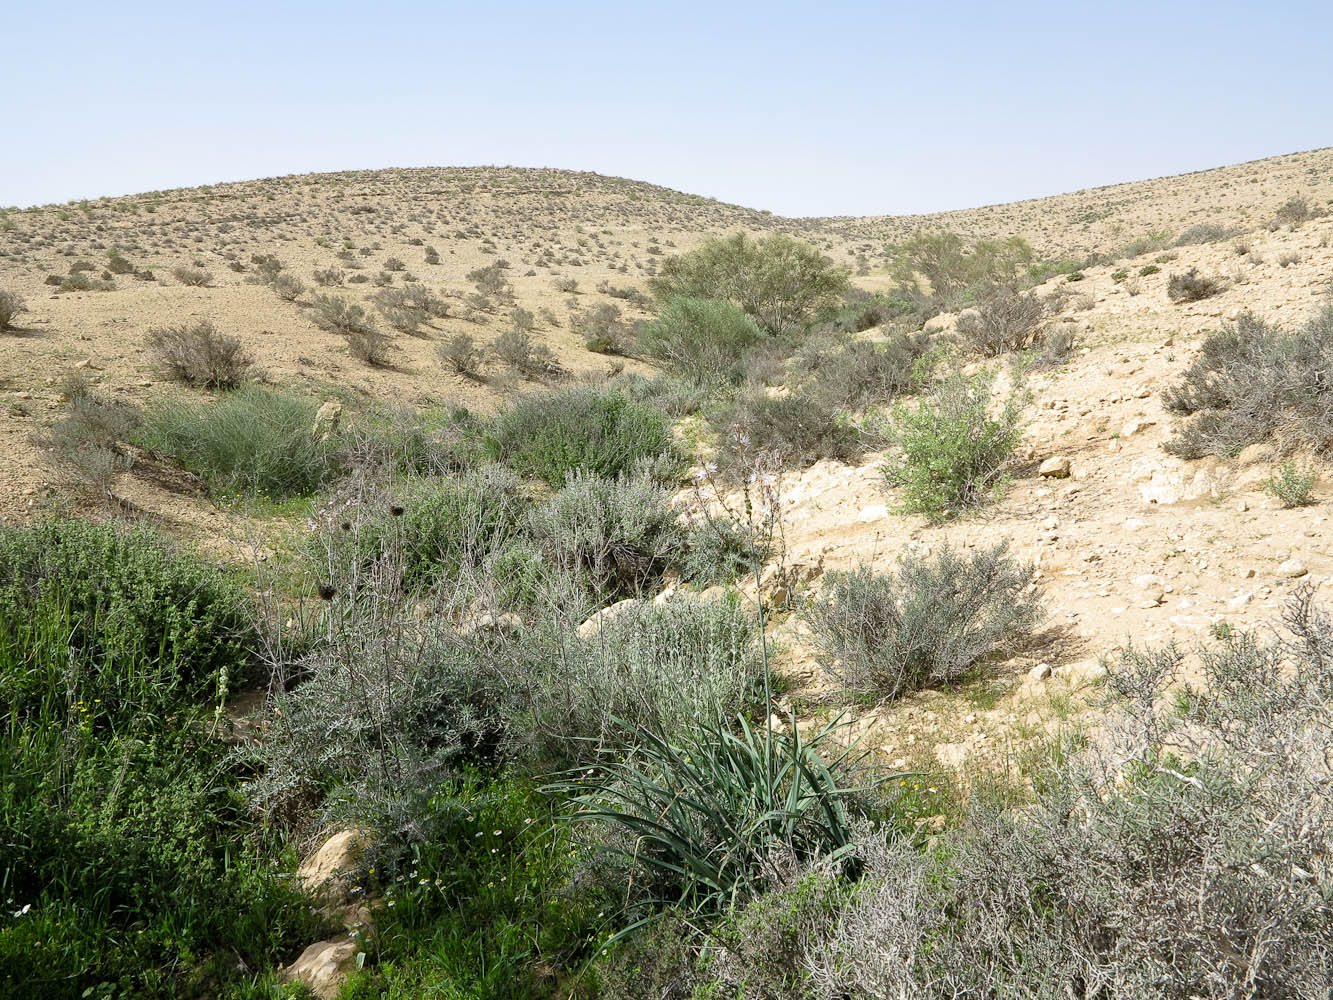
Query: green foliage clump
[[1292, 485], [860, 373], [952, 268], [252, 441], [127, 863], [779, 281], [928, 623], [951, 454], [799, 428], [702, 340], [579, 428]]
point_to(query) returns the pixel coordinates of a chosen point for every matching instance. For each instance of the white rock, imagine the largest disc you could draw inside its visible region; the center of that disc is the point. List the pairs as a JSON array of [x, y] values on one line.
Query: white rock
[[1055, 467], [324, 966], [1291, 569], [875, 512]]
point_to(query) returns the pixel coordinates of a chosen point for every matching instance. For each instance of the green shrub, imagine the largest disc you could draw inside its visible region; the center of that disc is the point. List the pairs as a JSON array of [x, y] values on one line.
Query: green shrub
[[519, 351], [1292, 485], [927, 624], [580, 428], [365, 341], [11, 305], [706, 820], [1148, 269], [702, 340], [201, 355], [1253, 382], [620, 534], [954, 270], [90, 441], [602, 328], [951, 455], [250, 441], [779, 281], [799, 428], [459, 353]]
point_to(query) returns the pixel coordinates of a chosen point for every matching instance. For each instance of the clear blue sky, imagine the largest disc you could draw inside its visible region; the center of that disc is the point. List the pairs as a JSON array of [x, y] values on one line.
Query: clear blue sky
[[804, 109]]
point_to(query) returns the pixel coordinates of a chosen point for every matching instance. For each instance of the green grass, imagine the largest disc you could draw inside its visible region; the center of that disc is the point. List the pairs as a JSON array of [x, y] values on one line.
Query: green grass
[[253, 441]]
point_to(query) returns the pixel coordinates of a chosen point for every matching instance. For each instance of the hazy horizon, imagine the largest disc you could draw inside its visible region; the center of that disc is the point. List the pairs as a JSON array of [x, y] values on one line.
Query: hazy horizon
[[842, 111]]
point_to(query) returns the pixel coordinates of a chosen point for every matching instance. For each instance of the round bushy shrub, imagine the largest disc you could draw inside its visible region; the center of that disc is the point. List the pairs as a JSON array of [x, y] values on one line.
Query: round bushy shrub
[[580, 428], [702, 340]]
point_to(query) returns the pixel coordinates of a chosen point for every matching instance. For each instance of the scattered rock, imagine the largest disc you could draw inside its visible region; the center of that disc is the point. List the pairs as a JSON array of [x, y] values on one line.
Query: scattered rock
[[327, 419], [337, 855], [1055, 467], [1292, 569], [1083, 673], [1040, 672]]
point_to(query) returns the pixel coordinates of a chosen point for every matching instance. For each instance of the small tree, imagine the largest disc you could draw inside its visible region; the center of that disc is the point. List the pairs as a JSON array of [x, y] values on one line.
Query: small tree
[[778, 281]]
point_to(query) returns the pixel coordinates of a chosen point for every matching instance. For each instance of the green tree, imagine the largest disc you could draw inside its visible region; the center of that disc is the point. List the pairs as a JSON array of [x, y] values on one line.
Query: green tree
[[778, 281]]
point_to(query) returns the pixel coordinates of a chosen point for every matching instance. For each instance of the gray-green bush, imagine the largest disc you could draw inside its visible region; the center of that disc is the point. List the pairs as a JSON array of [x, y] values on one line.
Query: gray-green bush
[[928, 623], [702, 340], [201, 355]]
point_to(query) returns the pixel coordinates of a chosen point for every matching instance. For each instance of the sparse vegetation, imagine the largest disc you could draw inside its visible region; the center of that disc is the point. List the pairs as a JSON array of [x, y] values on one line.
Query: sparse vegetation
[[1191, 286], [11, 306], [928, 623], [201, 355], [1006, 321], [1292, 485], [192, 276], [702, 340]]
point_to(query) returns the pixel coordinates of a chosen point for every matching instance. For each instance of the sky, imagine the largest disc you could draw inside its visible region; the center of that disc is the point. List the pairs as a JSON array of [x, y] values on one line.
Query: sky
[[804, 109]]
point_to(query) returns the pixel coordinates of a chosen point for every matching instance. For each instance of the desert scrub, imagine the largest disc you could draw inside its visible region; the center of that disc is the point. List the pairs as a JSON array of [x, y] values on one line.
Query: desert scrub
[[11, 305], [619, 535], [90, 442], [1292, 485], [1005, 321], [928, 623], [701, 340], [1254, 382], [951, 455], [192, 276], [579, 428], [201, 355], [779, 281], [857, 374], [800, 428], [252, 441]]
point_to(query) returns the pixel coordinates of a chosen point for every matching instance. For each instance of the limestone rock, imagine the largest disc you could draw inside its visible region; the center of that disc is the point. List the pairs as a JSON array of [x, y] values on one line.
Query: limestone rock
[[337, 855], [324, 966], [327, 419], [1055, 467], [601, 618], [1291, 569]]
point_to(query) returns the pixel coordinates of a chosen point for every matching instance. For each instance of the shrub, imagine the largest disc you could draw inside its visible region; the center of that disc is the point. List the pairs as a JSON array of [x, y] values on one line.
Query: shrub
[[799, 428], [90, 440], [618, 534], [1292, 485], [951, 453], [365, 341], [11, 306], [1191, 286], [192, 276], [863, 373], [1148, 269], [602, 329], [201, 355], [135, 607], [702, 340], [520, 352], [580, 428], [249, 441], [288, 287], [1252, 382], [779, 281], [1205, 232], [665, 669], [330, 277], [1007, 321], [952, 268], [1054, 346], [450, 524], [927, 624], [1292, 212], [459, 353]]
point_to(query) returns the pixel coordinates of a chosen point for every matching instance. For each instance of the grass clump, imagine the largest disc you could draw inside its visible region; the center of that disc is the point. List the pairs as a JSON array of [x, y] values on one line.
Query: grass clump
[[578, 428], [951, 454], [252, 441], [1253, 382], [702, 340], [929, 623], [201, 355], [90, 442], [193, 276]]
